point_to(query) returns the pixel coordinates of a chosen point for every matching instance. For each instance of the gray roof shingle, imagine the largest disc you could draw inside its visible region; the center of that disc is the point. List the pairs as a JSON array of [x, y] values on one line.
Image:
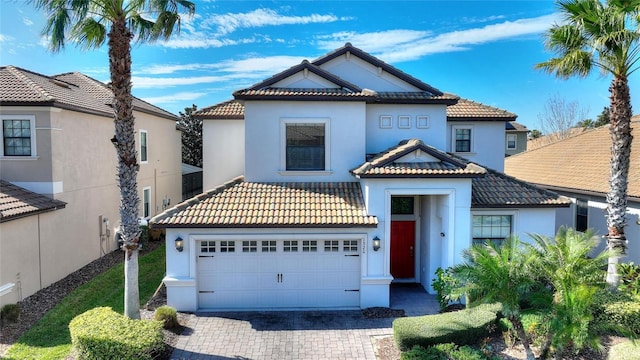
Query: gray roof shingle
[[17, 202]]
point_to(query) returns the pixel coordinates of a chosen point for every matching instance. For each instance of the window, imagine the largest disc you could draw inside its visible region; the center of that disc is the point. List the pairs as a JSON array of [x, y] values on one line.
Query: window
[[144, 147], [18, 135], [146, 202], [207, 246], [511, 141], [305, 148], [290, 246], [309, 246], [582, 214], [249, 246], [331, 245], [227, 246], [268, 246], [462, 137], [402, 205], [350, 245], [491, 227]]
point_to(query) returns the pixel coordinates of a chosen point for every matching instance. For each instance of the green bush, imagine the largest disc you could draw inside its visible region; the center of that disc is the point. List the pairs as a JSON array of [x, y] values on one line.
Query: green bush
[[443, 352], [629, 278], [444, 284], [460, 327], [536, 324], [101, 333], [10, 313], [616, 312], [168, 316]]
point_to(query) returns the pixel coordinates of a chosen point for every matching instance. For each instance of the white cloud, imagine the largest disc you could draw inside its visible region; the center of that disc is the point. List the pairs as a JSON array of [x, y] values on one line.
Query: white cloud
[[253, 67], [406, 45], [228, 23], [6, 38], [27, 21], [174, 98]]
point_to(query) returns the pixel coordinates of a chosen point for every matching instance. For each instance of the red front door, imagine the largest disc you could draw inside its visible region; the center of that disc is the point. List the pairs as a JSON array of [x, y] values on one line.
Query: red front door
[[403, 238]]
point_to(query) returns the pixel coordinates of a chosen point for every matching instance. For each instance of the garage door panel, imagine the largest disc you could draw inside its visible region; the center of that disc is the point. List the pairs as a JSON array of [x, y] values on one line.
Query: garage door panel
[[327, 275]]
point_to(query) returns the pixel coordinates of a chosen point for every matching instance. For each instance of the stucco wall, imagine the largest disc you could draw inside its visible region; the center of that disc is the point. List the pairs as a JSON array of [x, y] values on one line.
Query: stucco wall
[[19, 255], [487, 142], [263, 144], [222, 151]]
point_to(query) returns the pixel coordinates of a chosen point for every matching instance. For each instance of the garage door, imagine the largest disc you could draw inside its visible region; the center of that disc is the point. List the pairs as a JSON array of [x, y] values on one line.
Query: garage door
[[272, 274]]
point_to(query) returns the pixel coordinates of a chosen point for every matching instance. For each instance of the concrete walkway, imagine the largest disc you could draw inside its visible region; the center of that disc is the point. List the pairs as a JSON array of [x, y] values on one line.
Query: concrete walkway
[[295, 334]]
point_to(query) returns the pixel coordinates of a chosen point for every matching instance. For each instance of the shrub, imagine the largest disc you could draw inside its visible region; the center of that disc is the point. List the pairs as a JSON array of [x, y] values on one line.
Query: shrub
[[535, 323], [616, 312], [101, 333], [629, 278], [460, 327], [168, 316], [443, 352], [10, 313], [444, 284]]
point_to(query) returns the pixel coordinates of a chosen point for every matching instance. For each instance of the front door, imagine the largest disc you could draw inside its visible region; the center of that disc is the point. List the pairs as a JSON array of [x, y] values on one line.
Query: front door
[[403, 242]]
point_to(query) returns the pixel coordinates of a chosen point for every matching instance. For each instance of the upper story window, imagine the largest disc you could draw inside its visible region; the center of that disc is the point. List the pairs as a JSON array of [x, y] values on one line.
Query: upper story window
[[305, 145], [144, 147], [511, 141], [18, 135], [491, 227], [462, 139], [582, 214], [146, 202]]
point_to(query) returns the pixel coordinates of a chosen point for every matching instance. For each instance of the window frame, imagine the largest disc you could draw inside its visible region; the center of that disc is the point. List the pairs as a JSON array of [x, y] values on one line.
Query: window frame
[[584, 205], [32, 137], [454, 140], [497, 241], [284, 122], [146, 146], [146, 212], [515, 142]]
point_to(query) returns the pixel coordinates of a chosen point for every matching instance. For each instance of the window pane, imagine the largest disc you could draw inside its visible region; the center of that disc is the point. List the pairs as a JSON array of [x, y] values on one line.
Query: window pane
[[463, 140], [402, 205], [143, 146], [490, 227], [305, 147], [16, 137]]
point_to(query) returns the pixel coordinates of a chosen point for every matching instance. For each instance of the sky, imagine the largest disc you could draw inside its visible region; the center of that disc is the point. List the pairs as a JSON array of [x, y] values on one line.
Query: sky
[[485, 51]]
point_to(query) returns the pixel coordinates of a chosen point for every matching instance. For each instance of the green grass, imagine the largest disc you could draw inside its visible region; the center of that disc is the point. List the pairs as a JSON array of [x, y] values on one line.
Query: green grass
[[49, 338]]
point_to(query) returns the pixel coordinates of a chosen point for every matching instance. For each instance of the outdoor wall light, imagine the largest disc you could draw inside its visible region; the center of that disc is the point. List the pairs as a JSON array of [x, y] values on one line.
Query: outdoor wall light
[[376, 243], [179, 244]]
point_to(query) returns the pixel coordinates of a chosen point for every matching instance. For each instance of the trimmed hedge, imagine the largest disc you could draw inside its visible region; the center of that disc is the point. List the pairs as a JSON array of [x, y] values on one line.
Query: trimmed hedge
[[444, 352], [102, 333], [616, 312], [459, 327]]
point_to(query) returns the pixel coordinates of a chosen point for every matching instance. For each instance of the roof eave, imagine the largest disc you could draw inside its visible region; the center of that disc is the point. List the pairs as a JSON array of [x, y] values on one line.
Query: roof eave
[[418, 176], [518, 206], [479, 118], [261, 226]]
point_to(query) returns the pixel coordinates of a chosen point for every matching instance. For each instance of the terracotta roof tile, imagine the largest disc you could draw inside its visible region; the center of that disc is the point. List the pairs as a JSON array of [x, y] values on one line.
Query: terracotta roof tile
[[580, 162], [245, 204], [289, 93], [497, 190], [73, 91], [16, 202], [467, 109], [443, 165], [513, 126], [231, 109]]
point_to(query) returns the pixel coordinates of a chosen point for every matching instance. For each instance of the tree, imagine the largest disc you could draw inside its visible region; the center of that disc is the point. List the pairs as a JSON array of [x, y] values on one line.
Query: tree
[[559, 117], [535, 133], [191, 137], [493, 273], [90, 23], [603, 119], [604, 36]]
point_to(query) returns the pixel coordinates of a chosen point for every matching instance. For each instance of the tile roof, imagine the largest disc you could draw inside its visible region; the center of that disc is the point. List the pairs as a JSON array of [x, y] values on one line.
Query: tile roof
[[16, 202], [497, 190], [73, 91], [467, 109], [513, 126], [384, 164], [578, 163], [243, 204], [231, 109], [302, 93]]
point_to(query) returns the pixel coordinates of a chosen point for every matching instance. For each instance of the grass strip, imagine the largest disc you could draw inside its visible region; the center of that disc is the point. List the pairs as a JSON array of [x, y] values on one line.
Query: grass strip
[[49, 338]]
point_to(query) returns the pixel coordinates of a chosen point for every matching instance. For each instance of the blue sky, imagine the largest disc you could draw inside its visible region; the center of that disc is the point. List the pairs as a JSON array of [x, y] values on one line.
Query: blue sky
[[480, 50]]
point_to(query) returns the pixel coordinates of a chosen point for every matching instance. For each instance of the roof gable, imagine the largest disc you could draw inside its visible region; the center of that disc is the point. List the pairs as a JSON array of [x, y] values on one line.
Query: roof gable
[[412, 158]]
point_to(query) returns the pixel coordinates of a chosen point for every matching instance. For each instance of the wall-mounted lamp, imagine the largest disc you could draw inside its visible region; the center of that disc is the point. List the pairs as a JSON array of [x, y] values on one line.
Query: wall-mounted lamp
[[441, 234], [179, 244], [376, 243]]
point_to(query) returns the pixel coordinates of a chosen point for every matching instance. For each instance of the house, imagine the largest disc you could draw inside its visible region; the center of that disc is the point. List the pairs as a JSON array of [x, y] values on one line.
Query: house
[[56, 133], [516, 138], [578, 168], [334, 178]]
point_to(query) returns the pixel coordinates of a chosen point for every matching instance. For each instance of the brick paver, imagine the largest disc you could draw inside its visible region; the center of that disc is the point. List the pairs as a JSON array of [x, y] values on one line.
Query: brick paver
[[292, 334]]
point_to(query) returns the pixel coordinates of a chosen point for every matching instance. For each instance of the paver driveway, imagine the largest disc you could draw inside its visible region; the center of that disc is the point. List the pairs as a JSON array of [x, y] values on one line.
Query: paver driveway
[[292, 335], [281, 335]]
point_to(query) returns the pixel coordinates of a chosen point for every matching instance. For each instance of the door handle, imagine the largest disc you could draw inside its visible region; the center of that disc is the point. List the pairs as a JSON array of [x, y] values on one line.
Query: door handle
[[411, 250]]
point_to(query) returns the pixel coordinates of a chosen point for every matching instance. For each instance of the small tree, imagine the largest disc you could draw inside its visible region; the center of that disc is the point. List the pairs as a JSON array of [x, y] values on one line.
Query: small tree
[[191, 137], [560, 116]]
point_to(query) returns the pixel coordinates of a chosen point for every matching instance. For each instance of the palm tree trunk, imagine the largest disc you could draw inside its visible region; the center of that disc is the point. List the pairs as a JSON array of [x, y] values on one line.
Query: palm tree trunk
[[517, 324], [120, 65], [620, 129]]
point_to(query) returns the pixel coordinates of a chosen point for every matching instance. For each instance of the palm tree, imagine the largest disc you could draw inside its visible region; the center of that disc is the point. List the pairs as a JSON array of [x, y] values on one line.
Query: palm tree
[[604, 36], [567, 263], [493, 273], [90, 23]]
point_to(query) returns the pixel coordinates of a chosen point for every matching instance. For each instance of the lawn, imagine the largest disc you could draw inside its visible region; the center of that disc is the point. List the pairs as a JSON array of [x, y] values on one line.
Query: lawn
[[50, 338]]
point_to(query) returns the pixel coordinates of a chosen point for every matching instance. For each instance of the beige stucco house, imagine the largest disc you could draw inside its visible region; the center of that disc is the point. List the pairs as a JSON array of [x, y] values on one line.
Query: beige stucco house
[[56, 133]]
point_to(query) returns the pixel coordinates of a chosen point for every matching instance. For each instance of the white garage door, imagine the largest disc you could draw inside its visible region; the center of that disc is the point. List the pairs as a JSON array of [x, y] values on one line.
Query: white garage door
[[271, 274]]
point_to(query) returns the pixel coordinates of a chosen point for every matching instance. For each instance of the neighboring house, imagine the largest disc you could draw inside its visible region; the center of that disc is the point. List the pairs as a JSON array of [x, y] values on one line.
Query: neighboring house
[[191, 181], [578, 167], [56, 133], [343, 175], [515, 138]]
